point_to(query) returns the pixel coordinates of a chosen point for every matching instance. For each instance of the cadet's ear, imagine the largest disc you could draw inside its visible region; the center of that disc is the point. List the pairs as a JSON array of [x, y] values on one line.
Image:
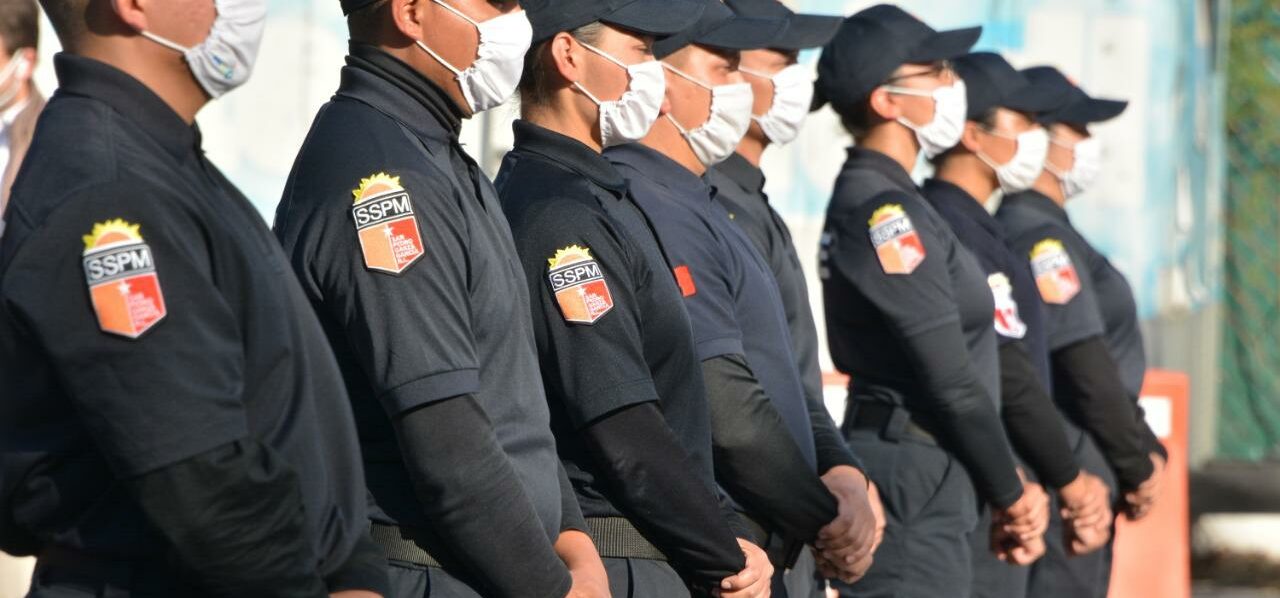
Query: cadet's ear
[[882, 104], [407, 17], [969, 139], [567, 55], [132, 12]]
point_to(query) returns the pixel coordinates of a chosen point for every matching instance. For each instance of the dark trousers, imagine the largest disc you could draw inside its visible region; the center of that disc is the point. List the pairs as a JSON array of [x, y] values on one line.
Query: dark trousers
[[1059, 575], [930, 511], [643, 578], [81, 576], [416, 581], [801, 580]]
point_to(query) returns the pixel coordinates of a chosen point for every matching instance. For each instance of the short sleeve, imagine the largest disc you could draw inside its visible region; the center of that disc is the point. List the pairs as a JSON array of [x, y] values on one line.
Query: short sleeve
[[584, 280], [389, 254], [117, 290], [895, 251], [708, 275], [1071, 304]]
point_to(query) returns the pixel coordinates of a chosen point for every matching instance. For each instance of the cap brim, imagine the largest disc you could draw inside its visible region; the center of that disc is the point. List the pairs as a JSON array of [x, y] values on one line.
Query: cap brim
[[656, 17], [742, 33], [806, 31], [1089, 110], [944, 45]]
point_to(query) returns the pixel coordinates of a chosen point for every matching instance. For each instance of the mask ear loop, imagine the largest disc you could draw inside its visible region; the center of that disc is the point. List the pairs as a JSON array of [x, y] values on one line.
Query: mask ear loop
[[769, 78], [445, 63]]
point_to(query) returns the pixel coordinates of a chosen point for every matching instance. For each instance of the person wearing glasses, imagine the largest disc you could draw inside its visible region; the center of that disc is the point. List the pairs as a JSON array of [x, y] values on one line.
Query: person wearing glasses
[[1094, 341], [628, 405], [909, 316], [1003, 148]]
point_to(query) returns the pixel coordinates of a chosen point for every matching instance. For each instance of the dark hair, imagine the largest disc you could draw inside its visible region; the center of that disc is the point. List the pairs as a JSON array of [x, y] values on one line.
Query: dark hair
[[19, 24], [366, 22], [536, 82], [987, 120], [857, 117]]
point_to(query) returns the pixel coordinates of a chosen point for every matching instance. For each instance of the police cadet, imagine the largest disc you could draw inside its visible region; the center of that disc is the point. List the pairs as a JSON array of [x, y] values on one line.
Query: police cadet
[[1002, 147], [909, 315], [403, 249], [1091, 319], [178, 423], [798, 484], [628, 405]]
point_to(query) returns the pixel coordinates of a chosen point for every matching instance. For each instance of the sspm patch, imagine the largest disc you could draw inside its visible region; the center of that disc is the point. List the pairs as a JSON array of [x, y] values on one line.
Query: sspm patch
[[897, 244], [1056, 276], [123, 285], [579, 285], [384, 219]]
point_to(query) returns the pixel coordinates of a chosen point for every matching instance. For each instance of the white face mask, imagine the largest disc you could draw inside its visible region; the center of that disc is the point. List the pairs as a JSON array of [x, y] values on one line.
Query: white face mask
[[792, 95], [1084, 169], [10, 79], [494, 75], [224, 60], [716, 139], [949, 107], [628, 119], [1021, 171]]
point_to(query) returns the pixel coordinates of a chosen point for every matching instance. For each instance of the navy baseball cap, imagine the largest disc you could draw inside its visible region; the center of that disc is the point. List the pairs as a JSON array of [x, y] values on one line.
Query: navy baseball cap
[[991, 82], [1076, 107], [719, 27], [871, 44], [350, 6], [653, 17], [801, 30]]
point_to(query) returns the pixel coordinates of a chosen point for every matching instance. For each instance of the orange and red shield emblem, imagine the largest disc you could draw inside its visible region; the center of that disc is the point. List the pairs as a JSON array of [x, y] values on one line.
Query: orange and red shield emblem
[[121, 273], [1055, 274], [386, 225], [897, 243], [579, 285], [1008, 323]]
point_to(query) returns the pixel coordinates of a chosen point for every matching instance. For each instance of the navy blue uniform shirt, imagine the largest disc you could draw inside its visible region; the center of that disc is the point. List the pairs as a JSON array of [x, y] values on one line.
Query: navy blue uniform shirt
[[147, 316], [610, 327], [1085, 294], [402, 247], [733, 301]]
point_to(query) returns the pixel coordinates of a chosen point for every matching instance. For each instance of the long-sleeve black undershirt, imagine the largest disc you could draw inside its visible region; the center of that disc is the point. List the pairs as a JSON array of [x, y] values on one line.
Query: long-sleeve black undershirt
[[756, 458], [653, 481], [469, 491], [1088, 385], [1032, 420]]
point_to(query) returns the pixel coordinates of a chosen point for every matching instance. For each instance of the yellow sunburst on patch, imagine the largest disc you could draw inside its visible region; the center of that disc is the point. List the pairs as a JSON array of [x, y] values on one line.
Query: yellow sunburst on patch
[[376, 184], [1047, 245], [111, 231], [886, 212], [568, 255]]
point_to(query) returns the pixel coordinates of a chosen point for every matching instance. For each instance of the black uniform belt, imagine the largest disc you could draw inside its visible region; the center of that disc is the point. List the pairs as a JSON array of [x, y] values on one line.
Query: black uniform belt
[[891, 421], [139, 576], [782, 551], [617, 538], [398, 544]]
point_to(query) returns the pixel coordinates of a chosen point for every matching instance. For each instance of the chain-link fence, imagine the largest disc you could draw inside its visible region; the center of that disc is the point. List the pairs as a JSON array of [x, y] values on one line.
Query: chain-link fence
[[1249, 418]]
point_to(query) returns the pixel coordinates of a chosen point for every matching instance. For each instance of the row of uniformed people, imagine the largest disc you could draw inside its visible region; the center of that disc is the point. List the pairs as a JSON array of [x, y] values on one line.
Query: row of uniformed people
[[1058, 365], [668, 363]]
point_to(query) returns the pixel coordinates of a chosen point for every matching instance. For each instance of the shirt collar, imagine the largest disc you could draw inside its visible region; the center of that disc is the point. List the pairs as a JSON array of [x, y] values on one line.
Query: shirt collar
[[1038, 202], [569, 153], [658, 169], [392, 87], [860, 157], [942, 193], [743, 173], [90, 78]]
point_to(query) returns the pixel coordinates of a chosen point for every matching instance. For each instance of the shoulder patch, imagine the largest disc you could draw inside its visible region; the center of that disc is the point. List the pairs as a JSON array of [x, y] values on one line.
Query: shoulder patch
[[579, 285], [385, 222], [684, 278], [1008, 323], [121, 274], [897, 244], [1056, 276]]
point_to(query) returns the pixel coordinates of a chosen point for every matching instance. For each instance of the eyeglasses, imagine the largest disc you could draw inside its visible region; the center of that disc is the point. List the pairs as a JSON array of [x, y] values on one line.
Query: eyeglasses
[[937, 69]]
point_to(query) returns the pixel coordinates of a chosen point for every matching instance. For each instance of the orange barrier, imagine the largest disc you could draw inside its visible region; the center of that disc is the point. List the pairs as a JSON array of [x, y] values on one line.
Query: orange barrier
[[1153, 556]]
